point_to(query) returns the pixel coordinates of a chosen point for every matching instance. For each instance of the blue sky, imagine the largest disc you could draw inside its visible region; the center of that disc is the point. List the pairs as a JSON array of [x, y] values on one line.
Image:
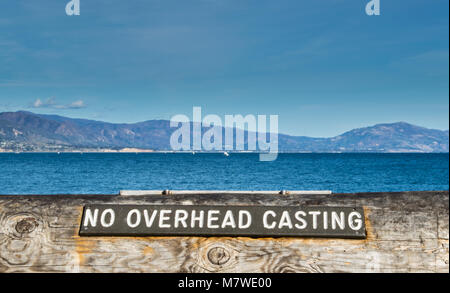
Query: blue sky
[[324, 67]]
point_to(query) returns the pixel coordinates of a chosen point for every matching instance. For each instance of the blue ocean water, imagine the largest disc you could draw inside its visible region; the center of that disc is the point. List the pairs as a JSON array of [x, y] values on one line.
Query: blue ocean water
[[107, 173]]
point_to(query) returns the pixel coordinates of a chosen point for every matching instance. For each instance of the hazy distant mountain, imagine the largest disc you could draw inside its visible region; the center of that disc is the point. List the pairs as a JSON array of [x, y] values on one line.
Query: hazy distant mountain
[[35, 131], [399, 136]]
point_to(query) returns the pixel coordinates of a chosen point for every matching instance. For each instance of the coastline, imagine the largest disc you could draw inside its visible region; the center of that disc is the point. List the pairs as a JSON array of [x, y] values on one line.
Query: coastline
[[130, 150]]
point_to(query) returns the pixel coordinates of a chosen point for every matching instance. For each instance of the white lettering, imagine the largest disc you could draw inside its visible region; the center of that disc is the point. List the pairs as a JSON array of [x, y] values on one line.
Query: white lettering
[[89, 218], [163, 217], [184, 132], [149, 221], [197, 128], [314, 214], [111, 218], [285, 220], [212, 139], [212, 218], [73, 7], [137, 213], [198, 219], [373, 7], [355, 224], [325, 220], [228, 220], [236, 127], [340, 220], [298, 216], [180, 219], [265, 223], [242, 215]]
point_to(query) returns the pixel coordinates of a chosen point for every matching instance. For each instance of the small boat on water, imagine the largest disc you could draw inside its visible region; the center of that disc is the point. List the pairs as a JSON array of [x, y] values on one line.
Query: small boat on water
[[226, 154]]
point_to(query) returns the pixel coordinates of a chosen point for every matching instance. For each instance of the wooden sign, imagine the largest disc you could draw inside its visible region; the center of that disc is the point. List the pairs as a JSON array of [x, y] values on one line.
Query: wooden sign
[[254, 221]]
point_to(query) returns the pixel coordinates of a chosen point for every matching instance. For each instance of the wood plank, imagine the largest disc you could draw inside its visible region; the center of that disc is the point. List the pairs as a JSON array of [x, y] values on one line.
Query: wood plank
[[407, 232]]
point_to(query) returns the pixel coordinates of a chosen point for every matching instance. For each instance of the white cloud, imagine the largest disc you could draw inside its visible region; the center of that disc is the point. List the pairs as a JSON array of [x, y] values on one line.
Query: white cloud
[[77, 105], [50, 103], [37, 103]]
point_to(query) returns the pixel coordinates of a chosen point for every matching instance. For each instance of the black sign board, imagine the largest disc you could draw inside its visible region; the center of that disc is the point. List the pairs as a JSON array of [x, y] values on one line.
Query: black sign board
[[254, 221]]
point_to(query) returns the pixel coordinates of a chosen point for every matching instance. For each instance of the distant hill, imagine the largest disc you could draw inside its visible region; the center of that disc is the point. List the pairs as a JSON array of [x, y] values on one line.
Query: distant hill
[[28, 131]]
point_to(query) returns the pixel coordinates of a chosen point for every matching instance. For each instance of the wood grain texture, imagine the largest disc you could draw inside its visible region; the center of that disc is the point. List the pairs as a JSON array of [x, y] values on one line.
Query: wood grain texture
[[407, 232]]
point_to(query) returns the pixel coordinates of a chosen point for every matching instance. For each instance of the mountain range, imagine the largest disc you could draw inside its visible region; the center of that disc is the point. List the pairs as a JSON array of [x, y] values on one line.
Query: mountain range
[[26, 131]]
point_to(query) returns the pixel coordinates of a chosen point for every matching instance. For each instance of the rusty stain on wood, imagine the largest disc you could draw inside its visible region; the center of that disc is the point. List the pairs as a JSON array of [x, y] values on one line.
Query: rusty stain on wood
[[406, 232], [369, 232], [147, 250]]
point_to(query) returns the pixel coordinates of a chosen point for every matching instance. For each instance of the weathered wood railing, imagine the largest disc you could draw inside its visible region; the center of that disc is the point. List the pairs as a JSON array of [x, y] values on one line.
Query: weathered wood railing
[[406, 232]]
